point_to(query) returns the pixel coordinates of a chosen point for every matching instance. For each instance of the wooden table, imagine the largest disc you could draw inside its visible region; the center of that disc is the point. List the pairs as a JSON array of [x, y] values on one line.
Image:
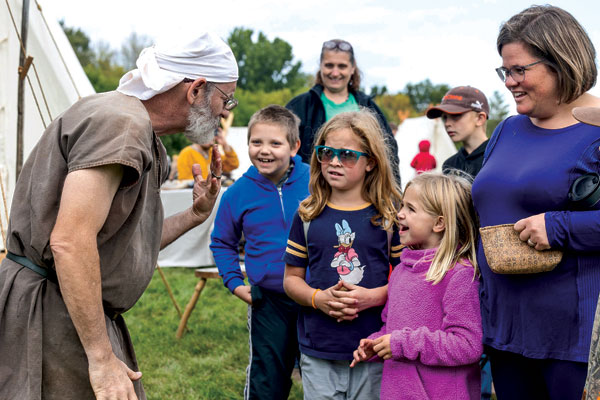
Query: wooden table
[[203, 274]]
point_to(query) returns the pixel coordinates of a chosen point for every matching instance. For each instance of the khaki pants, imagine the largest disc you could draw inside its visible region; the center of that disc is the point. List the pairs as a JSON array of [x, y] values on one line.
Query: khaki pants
[[335, 380]]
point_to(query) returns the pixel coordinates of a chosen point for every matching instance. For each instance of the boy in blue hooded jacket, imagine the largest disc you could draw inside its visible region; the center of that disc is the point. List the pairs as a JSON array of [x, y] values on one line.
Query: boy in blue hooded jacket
[[260, 205]]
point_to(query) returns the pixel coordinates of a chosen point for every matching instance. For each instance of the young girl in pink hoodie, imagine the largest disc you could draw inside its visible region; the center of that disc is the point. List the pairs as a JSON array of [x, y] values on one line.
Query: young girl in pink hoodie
[[431, 338]]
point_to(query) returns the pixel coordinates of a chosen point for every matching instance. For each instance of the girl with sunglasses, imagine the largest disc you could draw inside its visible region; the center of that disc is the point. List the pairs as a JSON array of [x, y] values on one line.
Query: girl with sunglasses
[[338, 255], [336, 91]]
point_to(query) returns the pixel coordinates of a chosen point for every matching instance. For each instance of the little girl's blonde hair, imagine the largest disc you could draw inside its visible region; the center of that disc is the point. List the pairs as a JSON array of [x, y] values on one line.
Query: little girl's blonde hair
[[379, 188], [449, 196]]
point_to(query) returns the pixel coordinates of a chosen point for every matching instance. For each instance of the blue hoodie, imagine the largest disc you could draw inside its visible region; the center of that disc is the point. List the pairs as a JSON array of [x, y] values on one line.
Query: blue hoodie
[[254, 206]]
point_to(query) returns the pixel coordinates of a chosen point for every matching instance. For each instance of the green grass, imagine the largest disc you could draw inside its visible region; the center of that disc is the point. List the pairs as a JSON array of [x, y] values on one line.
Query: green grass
[[210, 361]]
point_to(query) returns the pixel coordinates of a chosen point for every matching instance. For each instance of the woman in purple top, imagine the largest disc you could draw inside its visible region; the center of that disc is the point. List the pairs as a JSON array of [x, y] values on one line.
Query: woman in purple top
[[537, 326]]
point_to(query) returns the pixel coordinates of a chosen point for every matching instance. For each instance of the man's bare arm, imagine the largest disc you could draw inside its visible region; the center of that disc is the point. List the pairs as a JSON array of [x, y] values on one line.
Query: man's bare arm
[[86, 199]]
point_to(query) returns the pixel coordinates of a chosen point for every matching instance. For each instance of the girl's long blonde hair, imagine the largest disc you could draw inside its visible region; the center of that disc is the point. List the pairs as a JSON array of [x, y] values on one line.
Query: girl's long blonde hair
[[379, 188], [449, 196]]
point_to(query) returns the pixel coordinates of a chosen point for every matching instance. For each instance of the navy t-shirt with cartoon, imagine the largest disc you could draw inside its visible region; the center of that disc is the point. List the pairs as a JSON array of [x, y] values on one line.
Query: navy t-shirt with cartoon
[[342, 244]]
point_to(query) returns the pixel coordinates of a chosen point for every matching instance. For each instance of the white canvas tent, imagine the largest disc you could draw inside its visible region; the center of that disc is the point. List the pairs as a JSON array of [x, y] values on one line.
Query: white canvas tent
[[61, 83], [411, 132]]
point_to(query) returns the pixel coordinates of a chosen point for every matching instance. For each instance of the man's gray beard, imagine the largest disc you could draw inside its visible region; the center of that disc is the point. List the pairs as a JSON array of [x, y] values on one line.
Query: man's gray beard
[[201, 124]]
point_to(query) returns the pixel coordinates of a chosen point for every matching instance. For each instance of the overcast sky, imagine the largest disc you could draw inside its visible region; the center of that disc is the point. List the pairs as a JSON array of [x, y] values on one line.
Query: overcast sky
[[395, 42]]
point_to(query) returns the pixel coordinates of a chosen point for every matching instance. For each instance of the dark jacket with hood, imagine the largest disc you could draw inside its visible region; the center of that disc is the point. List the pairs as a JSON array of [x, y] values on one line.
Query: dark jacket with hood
[[309, 108]]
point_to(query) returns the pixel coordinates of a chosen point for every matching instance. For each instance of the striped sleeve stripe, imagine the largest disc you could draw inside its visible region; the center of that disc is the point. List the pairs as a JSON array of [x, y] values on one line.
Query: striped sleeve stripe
[[398, 247], [396, 255], [295, 253], [296, 245]]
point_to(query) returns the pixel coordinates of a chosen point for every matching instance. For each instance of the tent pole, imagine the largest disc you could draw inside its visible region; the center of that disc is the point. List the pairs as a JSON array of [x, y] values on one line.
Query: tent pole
[[21, 92]]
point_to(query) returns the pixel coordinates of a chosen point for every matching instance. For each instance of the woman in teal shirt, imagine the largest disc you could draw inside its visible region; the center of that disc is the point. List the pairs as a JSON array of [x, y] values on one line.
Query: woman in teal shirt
[[336, 91]]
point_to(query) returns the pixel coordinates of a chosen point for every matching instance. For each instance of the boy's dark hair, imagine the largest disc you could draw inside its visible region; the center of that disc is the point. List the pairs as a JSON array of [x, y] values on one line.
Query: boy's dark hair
[[277, 115]]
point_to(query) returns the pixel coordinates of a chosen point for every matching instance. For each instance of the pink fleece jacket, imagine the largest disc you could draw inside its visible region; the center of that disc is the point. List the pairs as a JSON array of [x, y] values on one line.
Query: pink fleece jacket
[[435, 332]]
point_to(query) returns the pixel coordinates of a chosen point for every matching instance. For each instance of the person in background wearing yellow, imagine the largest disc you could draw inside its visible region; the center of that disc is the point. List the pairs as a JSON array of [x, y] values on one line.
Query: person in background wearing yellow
[[202, 154]]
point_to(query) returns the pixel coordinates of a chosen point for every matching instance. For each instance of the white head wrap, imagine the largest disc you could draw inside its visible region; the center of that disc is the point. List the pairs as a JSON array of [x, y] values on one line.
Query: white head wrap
[[161, 67]]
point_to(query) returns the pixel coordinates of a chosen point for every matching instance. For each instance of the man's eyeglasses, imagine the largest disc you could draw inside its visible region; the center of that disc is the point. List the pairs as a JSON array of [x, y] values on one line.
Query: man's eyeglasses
[[339, 44], [517, 72], [230, 102], [347, 157]]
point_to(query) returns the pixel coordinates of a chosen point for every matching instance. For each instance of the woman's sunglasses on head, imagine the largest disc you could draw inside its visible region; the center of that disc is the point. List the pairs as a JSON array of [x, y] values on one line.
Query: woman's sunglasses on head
[[340, 45]]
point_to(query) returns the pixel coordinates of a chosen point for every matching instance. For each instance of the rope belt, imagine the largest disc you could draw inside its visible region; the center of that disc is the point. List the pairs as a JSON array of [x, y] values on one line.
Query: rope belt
[[50, 274]]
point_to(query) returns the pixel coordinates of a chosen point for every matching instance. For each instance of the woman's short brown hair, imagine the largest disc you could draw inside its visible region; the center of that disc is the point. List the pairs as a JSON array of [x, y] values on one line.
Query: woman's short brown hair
[[555, 36]]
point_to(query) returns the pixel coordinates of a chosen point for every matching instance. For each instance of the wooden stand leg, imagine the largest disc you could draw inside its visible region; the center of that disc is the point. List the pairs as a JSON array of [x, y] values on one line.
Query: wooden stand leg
[[190, 307], [164, 279]]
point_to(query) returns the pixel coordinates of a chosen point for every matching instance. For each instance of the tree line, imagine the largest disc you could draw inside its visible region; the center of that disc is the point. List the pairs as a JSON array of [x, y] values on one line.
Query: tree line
[[268, 74]]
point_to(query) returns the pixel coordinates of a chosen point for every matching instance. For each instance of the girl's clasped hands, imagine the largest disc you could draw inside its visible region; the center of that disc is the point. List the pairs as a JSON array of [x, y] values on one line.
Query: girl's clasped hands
[[344, 300]]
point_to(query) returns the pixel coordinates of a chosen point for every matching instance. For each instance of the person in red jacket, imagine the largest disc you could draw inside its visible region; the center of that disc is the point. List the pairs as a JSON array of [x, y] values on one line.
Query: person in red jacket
[[423, 161]]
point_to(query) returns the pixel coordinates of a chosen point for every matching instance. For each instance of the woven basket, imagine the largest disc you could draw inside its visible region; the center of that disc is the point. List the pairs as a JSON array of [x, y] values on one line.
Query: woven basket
[[507, 254]]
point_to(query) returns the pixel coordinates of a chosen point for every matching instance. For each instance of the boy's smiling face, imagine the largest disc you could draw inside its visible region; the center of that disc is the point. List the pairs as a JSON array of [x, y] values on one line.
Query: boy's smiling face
[[270, 151]]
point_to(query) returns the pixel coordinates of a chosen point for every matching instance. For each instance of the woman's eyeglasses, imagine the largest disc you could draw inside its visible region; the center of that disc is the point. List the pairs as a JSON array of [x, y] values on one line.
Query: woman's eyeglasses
[[517, 72], [347, 157], [340, 44]]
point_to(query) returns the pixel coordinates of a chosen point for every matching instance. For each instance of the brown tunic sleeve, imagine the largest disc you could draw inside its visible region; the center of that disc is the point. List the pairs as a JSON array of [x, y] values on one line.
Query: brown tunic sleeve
[[114, 132]]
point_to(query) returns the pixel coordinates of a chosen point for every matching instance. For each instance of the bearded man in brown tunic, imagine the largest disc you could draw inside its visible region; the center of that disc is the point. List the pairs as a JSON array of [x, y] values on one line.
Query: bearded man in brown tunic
[[86, 223]]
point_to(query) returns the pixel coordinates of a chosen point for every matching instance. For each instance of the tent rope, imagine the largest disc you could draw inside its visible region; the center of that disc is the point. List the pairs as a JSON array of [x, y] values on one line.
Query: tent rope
[[58, 50], [37, 103], [42, 91], [34, 69]]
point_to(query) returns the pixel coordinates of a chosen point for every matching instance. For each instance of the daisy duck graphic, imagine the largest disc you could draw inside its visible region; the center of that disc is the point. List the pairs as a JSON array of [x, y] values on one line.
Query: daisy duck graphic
[[345, 259]]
